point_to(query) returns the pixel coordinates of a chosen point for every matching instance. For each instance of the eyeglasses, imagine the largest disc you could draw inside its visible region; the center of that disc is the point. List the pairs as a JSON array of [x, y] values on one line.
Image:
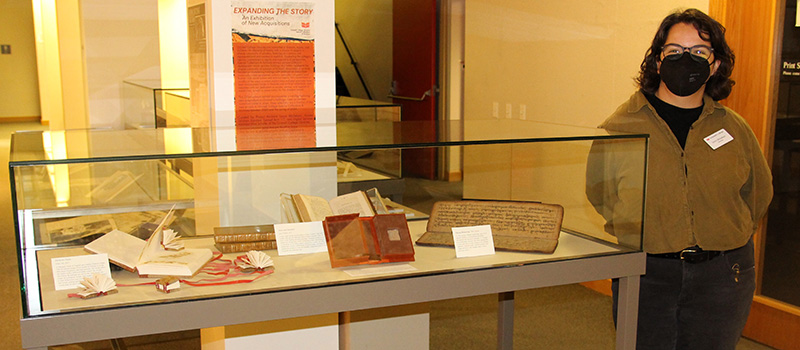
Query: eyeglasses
[[700, 53]]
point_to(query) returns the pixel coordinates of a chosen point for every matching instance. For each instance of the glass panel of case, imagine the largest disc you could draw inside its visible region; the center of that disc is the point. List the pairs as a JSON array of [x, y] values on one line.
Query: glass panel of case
[[71, 187], [149, 103], [353, 109]]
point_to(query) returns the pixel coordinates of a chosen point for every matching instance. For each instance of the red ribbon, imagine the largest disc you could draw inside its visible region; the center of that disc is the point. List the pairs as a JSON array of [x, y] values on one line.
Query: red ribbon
[[224, 268]]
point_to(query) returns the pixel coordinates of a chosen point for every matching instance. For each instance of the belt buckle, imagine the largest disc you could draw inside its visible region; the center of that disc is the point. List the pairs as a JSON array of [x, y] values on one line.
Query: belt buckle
[[688, 250], [688, 255]]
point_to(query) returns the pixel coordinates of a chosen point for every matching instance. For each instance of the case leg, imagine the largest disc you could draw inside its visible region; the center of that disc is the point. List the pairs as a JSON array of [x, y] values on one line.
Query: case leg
[[118, 344], [505, 321], [627, 312]]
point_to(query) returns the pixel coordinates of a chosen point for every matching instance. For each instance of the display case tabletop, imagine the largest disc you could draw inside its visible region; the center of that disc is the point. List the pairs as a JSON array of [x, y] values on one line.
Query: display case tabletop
[[293, 272], [304, 285]]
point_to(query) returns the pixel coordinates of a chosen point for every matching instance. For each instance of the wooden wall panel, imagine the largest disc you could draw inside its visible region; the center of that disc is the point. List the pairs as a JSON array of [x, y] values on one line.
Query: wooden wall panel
[[775, 324], [753, 32]]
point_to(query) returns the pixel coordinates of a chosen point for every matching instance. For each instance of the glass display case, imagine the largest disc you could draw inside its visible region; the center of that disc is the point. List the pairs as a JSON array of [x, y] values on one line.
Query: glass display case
[[353, 109], [360, 169], [154, 103], [71, 187]]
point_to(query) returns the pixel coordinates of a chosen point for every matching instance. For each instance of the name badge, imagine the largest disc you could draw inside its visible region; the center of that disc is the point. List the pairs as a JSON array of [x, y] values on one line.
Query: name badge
[[717, 139]]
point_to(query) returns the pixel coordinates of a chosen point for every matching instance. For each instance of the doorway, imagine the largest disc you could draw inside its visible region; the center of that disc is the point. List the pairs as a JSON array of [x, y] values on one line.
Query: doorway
[[781, 272], [387, 56]]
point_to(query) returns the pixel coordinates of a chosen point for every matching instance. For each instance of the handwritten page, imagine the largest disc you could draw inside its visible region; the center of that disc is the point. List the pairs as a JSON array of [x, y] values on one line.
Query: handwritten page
[[300, 238], [473, 241], [516, 226], [506, 218], [68, 272]]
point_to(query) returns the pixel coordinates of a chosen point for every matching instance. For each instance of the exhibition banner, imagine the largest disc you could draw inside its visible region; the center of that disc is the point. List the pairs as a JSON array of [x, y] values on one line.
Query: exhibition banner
[[274, 74]]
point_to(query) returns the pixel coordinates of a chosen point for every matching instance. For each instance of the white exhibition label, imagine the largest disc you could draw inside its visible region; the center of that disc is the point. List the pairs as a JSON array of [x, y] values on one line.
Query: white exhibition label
[[473, 241], [300, 238], [717, 139], [68, 272]]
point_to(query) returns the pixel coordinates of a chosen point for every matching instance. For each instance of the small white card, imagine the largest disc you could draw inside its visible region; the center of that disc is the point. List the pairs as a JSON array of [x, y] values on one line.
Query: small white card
[[717, 139], [300, 238], [473, 241], [68, 272]]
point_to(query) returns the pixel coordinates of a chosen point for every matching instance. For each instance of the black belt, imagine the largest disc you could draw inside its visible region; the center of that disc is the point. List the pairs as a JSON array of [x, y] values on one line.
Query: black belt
[[692, 255]]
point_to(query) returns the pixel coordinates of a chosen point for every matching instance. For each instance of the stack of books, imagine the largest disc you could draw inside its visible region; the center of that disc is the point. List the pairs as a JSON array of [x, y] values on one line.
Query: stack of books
[[244, 238]]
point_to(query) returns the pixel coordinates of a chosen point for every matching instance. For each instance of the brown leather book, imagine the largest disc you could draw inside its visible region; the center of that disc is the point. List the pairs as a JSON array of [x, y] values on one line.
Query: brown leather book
[[246, 246], [240, 234], [354, 240]]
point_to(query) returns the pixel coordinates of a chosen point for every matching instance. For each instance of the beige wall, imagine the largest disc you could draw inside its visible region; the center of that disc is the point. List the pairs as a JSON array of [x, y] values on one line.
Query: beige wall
[[367, 28], [19, 96], [120, 42], [72, 61], [567, 62], [173, 41], [60, 63], [48, 63]]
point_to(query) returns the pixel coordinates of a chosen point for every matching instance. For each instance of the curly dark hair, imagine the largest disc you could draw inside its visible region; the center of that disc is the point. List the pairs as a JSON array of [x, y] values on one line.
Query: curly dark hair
[[720, 84]]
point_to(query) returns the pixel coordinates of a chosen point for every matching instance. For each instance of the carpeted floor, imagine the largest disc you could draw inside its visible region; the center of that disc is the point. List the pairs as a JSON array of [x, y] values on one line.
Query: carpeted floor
[[564, 317]]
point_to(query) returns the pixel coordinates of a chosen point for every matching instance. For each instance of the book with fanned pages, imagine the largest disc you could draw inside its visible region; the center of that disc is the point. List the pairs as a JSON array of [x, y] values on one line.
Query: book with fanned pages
[[354, 240], [516, 226], [150, 257]]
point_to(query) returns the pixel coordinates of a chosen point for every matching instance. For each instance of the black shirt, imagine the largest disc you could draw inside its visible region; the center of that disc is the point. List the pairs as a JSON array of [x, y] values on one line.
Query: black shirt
[[678, 119]]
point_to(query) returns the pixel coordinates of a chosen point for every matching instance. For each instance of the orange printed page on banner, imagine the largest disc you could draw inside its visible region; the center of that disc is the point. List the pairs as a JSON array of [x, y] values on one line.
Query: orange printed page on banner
[[274, 87]]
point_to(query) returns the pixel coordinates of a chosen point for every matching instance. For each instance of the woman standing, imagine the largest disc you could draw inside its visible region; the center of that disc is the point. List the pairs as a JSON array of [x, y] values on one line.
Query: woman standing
[[708, 186]]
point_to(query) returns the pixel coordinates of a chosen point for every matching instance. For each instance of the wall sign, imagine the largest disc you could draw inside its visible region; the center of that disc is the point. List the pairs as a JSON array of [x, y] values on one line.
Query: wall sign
[[790, 69]]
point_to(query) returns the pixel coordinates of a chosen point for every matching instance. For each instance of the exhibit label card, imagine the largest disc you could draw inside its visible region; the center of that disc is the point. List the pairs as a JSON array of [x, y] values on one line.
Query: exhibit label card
[[300, 238], [68, 272], [473, 241]]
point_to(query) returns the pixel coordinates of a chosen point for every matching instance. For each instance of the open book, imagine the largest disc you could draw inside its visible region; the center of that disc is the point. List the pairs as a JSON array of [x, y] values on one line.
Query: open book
[[354, 240], [149, 258], [306, 208]]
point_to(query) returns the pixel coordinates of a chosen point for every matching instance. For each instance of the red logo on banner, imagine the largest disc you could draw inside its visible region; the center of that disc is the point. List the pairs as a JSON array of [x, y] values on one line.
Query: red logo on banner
[[305, 24]]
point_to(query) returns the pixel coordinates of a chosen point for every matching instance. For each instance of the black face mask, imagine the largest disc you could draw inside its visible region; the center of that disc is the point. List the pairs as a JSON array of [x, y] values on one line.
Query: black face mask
[[684, 75]]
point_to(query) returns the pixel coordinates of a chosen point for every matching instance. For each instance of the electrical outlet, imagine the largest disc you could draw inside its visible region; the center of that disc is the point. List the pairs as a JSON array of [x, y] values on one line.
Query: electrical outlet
[[495, 110], [5, 49], [523, 109], [508, 110]]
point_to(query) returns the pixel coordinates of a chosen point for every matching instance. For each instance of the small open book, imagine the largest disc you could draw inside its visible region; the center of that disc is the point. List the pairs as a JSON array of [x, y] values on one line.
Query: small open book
[[149, 258], [306, 208]]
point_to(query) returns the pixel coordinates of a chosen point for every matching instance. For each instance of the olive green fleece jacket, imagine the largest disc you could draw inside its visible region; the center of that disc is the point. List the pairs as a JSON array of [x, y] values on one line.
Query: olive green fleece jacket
[[694, 196]]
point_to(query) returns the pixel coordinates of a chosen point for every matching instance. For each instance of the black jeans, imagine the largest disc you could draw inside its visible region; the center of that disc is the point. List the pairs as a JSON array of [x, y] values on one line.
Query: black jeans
[[694, 306]]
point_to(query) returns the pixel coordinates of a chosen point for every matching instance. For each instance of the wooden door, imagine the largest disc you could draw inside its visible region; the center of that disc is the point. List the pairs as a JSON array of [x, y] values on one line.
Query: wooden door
[[754, 30]]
